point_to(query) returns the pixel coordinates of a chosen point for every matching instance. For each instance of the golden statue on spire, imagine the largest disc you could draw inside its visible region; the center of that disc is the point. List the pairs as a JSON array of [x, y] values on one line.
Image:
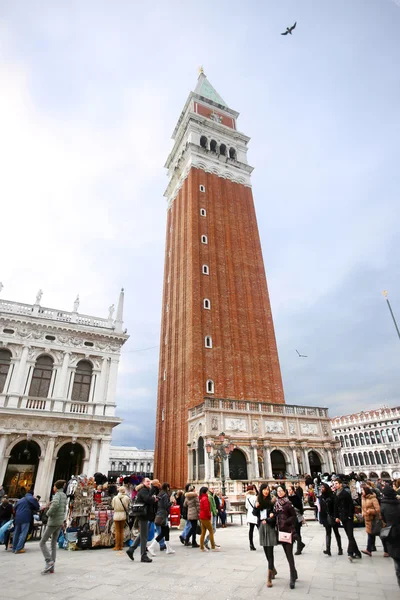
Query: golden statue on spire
[[201, 71]]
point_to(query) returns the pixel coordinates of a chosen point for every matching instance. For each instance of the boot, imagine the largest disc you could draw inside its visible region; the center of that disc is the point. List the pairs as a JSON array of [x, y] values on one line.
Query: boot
[[130, 552], [340, 551], [269, 580], [145, 558], [328, 546], [300, 547], [169, 548], [195, 545], [187, 542], [152, 547], [292, 582], [274, 573], [252, 547]]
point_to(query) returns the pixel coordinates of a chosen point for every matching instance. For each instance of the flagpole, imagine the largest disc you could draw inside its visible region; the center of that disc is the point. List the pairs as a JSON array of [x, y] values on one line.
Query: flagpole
[[385, 294]]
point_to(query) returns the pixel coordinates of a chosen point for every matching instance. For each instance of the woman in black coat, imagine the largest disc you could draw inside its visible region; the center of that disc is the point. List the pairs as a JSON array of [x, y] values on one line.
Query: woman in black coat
[[299, 510], [390, 512], [327, 518], [286, 521], [267, 527]]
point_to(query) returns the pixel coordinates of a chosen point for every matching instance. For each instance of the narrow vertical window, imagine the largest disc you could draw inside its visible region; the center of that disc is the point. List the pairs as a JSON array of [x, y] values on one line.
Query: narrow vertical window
[[162, 415], [165, 374], [208, 341], [203, 212], [205, 270], [207, 304], [204, 239], [210, 386], [202, 188]]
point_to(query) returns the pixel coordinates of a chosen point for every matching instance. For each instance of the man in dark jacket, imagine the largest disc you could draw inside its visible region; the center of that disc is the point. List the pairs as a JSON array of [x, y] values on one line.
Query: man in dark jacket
[[145, 497], [6, 510], [24, 510], [154, 491], [344, 513], [390, 511]]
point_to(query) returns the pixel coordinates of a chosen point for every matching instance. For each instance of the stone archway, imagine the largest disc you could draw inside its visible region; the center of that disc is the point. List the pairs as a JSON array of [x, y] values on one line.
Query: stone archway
[[22, 468], [385, 475], [315, 463], [278, 463], [69, 461], [238, 465]]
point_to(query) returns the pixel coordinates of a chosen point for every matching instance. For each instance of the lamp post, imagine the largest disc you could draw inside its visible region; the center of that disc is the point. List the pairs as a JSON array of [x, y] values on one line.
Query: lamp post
[[385, 294], [221, 449]]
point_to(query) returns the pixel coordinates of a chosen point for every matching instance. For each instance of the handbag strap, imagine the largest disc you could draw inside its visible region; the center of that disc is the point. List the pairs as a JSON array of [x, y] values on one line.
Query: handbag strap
[[123, 506]]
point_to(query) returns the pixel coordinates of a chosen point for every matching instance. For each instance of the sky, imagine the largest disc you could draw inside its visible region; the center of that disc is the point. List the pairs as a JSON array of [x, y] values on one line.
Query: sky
[[89, 97]]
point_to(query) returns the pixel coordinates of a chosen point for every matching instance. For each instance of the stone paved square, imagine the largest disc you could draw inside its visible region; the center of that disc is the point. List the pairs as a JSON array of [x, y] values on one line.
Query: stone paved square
[[233, 574]]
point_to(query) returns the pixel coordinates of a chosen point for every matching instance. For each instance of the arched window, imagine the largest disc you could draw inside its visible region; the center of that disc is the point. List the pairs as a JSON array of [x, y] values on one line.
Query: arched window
[[360, 459], [388, 456], [210, 386], [203, 212], [352, 440], [351, 460], [394, 455], [201, 457], [342, 441], [383, 434], [346, 460], [5, 362], [213, 146], [356, 439], [372, 458], [378, 437], [372, 436], [355, 459], [362, 441], [366, 459], [205, 270], [82, 381], [204, 239], [222, 149], [202, 188], [367, 440], [377, 458], [40, 384], [148, 467], [395, 436], [383, 457], [208, 341], [203, 141], [346, 437], [232, 153], [390, 438], [207, 304]]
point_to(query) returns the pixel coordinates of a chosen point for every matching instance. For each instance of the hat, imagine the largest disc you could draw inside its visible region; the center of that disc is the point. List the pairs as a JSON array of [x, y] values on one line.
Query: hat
[[156, 483]]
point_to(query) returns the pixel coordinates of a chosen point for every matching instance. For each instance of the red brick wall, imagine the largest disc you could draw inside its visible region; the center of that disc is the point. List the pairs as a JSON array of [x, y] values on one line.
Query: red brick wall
[[243, 362]]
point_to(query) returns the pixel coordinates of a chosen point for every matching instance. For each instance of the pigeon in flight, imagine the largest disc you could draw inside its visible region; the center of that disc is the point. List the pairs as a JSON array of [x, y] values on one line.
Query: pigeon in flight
[[301, 355], [289, 29]]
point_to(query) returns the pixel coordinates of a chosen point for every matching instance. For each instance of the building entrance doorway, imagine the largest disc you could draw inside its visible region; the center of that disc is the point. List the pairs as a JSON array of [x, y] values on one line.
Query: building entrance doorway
[[278, 463], [69, 461], [315, 463], [238, 465], [21, 469]]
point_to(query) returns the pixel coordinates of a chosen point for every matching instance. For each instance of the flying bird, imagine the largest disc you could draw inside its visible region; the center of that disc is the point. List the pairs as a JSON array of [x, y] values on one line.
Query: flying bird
[[289, 29], [301, 355]]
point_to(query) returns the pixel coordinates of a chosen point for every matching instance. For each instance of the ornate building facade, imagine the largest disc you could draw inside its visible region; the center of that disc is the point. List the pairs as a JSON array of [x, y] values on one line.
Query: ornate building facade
[[58, 377], [370, 442], [125, 460], [218, 359]]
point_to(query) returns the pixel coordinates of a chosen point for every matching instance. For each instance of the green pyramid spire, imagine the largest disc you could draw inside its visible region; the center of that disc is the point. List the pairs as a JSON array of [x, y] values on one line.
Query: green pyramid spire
[[205, 89]]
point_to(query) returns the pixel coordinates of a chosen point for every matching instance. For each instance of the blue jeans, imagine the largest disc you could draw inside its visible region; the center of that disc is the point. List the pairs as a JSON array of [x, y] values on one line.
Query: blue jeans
[[162, 541], [20, 534], [187, 529]]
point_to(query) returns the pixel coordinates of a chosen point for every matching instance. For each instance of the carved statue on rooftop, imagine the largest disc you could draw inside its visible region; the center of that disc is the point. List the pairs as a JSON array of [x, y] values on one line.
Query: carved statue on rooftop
[[111, 312], [76, 303], [39, 296]]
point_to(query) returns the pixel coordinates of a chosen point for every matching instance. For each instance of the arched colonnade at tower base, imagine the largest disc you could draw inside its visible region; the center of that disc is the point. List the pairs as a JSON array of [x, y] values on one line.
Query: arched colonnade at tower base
[[269, 441]]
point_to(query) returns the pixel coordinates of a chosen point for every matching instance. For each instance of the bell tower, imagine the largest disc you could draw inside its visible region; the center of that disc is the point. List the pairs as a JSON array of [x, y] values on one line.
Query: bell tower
[[217, 333]]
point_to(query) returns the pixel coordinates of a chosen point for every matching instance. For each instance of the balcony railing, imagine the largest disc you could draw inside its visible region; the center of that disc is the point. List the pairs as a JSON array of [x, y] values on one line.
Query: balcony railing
[[40, 405], [258, 407]]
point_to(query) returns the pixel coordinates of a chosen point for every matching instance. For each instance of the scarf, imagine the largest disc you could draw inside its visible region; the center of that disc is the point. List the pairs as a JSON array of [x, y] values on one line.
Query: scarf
[[281, 503]]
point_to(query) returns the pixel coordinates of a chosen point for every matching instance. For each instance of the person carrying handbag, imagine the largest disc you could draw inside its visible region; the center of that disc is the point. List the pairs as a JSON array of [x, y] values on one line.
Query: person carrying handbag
[[327, 519], [371, 512], [161, 519], [120, 504], [264, 510], [286, 523]]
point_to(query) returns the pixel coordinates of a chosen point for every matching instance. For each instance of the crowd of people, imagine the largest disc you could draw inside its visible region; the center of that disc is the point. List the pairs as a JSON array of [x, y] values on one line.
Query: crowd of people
[[276, 511]]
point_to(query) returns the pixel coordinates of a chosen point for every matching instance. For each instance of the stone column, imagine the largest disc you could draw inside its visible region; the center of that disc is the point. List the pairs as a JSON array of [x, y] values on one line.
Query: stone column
[[254, 460], [267, 461], [294, 459], [112, 381], [16, 384], [45, 472], [4, 440], [306, 462], [103, 456], [101, 382], [92, 464], [62, 380]]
